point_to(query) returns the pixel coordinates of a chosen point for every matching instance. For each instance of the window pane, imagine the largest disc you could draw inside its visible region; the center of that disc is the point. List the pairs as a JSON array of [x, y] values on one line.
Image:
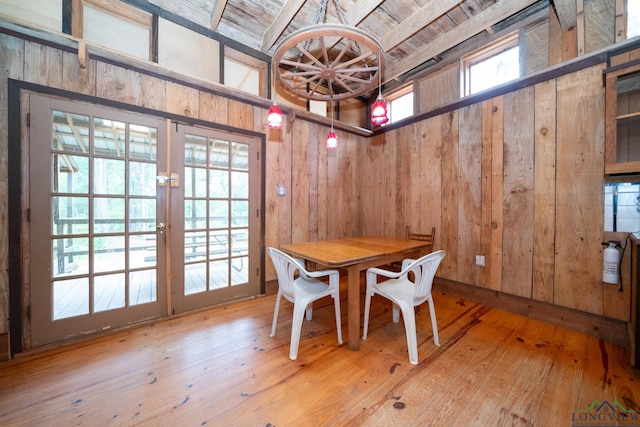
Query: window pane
[[401, 107], [108, 292], [496, 70], [108, 215], [633, 18], [71, 174], [70, 298], [70, 215], [109, 138], [108, 176], [115, 32]]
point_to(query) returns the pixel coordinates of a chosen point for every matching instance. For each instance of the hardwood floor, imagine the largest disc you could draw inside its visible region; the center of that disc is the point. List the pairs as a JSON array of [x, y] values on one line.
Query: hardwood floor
[[220, 367]]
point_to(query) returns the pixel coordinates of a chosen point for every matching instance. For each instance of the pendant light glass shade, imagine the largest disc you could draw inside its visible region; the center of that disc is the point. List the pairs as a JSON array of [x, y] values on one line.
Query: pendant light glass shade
[[332, 140], [274, 118], [379, 114]]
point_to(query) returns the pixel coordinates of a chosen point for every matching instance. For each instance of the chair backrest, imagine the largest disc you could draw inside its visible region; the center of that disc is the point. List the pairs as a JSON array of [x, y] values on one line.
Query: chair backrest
[[286, 267], [423, 237], [424, 270]]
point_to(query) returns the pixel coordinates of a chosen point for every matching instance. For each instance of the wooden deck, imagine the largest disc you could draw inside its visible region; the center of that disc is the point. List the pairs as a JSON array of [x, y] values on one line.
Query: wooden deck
[[220, 367]]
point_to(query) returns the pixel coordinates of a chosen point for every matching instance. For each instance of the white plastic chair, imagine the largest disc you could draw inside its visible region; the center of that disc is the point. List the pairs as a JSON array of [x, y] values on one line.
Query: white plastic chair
[[406, 292], [302, 291]]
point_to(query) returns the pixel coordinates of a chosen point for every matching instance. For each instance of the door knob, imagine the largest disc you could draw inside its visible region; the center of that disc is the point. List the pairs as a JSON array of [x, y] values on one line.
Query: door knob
[[161, 227]]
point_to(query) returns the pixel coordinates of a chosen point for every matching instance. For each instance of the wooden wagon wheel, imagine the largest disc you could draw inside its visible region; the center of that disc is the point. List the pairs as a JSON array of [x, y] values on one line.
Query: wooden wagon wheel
[[306, 67]]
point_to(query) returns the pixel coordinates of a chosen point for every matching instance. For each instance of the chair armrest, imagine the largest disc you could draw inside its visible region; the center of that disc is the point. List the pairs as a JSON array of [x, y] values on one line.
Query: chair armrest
[[385, 273], [320, 273]]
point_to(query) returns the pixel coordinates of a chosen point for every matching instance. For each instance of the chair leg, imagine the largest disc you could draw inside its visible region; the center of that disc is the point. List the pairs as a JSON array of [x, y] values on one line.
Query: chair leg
[[309, 311], [275, 315], [396, 313], [296, 328], [409, 316], [434, 323], [367, 307], [336, 305]]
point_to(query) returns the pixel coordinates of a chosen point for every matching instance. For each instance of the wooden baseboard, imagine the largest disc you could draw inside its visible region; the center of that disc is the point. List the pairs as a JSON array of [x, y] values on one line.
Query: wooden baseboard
[[608, 329], [5, 348]]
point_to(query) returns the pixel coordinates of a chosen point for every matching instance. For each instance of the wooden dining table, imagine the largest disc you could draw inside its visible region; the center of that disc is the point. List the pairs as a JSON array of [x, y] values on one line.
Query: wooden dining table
[[355, 254]]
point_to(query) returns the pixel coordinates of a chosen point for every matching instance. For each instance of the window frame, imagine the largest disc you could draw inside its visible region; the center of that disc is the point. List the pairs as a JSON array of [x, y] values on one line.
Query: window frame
[[394, 96], [485, 53]]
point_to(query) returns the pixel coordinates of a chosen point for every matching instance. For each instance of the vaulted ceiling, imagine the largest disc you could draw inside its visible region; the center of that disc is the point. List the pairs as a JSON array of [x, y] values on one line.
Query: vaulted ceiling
[[414, 34]]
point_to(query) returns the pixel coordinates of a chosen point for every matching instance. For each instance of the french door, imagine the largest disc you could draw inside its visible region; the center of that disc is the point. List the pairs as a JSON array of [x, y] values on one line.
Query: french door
[[215, 225], [132, 219]]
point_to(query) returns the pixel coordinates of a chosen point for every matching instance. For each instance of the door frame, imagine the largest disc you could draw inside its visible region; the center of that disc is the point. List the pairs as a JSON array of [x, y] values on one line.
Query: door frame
[[18, 185]]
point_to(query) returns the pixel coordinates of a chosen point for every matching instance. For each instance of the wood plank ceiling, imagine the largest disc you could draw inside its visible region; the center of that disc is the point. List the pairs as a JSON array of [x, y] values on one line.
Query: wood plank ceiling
[[416, 35]]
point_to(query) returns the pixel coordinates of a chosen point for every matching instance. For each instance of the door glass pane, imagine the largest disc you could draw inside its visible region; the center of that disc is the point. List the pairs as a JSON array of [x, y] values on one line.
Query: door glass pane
[[108, 253], [108, 292], [108, 215], [70, 256], [240, 213], [219, 154], [142, 179], [218, 183], [218, 213], [195, 214], [195, 278], [70, 215], [240, 156], [70, 298], [70, 132], [143, 142], [195, 150], [71, 174], [240, 185], [142, 250], [142, 287], [108, 176], [109, 138], [142, 214]]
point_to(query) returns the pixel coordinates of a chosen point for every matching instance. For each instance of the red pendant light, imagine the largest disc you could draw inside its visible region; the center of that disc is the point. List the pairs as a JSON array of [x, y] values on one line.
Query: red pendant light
[[332, 138], [379, 115], [274, 117], [379, 112]]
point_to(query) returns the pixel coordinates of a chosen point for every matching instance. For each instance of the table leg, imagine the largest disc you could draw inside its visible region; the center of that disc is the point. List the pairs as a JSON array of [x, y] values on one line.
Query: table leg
[[353, 305]]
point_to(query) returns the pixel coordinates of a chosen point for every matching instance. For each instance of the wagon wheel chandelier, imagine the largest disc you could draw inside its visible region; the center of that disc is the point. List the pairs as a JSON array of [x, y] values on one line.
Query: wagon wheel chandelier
[[328, 61]]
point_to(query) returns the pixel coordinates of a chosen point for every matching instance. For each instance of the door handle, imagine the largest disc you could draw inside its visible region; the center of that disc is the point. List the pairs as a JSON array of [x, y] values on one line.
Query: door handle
[[161, 227]]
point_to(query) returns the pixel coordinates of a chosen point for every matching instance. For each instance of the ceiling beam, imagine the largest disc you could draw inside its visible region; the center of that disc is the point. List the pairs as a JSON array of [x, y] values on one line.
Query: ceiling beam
[[566, 11], [418, 20], [488, 17], [280, 23], [216, 15]]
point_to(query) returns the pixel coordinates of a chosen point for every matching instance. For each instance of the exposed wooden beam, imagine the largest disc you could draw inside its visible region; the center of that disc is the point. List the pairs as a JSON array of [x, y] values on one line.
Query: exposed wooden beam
[[216, 15], [288, 11], [566, 12], [467, 29], [428, 13], [357, 13]]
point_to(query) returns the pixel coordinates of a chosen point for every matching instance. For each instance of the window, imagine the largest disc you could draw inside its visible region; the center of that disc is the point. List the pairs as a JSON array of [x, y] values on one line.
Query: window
[[130, 34], [622, 207], [633, 18], [244, 72], [491, 66], [400, 105]]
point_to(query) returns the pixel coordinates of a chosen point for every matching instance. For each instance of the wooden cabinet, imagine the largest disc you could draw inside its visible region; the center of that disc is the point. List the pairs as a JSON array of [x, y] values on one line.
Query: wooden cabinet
[[622, 119]]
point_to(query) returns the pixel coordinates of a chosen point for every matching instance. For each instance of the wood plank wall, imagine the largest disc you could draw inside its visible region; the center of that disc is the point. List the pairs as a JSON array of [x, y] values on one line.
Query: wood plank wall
[[518, 179]]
